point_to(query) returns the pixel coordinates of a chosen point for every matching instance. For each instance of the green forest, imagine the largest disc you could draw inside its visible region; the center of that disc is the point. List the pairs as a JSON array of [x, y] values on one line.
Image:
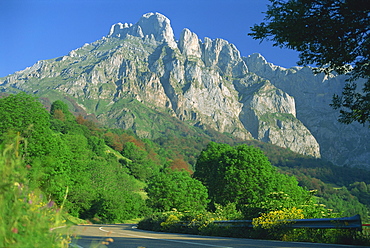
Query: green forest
[[57, 168]]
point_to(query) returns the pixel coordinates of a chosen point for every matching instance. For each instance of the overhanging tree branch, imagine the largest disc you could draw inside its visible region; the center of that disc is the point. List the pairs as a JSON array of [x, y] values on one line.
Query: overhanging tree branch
[[332, 34]]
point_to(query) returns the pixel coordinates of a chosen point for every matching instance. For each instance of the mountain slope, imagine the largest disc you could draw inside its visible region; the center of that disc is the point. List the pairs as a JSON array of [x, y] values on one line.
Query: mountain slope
[[138, 76]]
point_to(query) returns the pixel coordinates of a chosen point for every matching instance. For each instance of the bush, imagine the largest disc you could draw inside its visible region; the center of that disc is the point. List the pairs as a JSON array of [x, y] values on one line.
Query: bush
[[194, 222], [176, 189], [275, 224], [272, 225]]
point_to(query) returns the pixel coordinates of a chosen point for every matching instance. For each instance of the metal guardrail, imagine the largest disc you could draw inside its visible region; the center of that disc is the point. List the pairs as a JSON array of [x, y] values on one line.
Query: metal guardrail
[[353, 222]]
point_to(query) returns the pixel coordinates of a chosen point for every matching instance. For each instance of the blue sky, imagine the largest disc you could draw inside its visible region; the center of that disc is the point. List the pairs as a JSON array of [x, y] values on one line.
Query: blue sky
[[32, 30]]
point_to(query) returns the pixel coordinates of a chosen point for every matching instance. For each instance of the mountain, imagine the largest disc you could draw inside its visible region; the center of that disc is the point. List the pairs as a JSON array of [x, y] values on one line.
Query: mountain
[[139, 76]]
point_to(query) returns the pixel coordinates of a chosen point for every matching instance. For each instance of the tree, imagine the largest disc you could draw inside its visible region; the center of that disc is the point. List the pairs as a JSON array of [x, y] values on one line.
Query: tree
[[243, 174], [334, 35], [176, 189], [25, 114], [138, 163], [117, 196], [63, 108], [62, 119], [210, 171]]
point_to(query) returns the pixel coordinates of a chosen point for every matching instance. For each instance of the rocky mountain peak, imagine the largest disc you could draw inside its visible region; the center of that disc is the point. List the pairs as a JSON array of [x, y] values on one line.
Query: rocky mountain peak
[[150, 24], [158, 25], [189, 44], [256, 61], [116, 29]]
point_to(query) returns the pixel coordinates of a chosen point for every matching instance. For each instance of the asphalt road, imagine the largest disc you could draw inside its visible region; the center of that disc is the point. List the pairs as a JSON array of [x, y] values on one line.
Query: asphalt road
[[127, 236]]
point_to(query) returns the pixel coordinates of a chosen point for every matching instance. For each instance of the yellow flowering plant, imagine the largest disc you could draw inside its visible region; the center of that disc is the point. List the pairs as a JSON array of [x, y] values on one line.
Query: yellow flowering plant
[[278, 218], [275, 224]]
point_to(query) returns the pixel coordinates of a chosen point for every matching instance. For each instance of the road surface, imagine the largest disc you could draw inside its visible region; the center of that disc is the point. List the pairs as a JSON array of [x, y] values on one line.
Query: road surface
[[127, 236]]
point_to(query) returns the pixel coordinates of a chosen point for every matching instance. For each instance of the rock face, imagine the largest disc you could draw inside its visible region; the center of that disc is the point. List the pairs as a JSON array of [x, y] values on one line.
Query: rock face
[[152, 25], [138, 74], [270, 115], [189, 44], [342, 144]]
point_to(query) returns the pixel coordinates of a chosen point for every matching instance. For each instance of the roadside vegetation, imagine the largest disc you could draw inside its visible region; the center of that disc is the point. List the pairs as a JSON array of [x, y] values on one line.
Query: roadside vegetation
[[26, 215], [57, 167]]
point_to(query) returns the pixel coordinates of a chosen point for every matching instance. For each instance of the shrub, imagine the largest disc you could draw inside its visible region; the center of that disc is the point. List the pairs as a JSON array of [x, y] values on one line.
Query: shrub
[[275, 224]]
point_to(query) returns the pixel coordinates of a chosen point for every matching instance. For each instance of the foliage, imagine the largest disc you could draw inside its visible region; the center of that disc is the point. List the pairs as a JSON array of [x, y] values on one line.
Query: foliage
[[243, 174], [203, 223], [276, 225], [154, 221], [278, 218], [62, 120], [361, 190], [344, 203], [196, 222], [59, 110], [23, 113], [106, 172], [228, 212], [271, 225], [335, 186], [76, 158], [117, 195], [139, 163], [311, 173], [176, 190], [334, 35], [277, 222], [25, 215]]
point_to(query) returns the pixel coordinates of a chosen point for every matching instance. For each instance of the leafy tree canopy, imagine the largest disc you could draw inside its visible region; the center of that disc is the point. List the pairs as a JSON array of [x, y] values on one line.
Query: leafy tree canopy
[[25, 114], [243, 174], [334, 35], [176, 189], [59, 110]]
